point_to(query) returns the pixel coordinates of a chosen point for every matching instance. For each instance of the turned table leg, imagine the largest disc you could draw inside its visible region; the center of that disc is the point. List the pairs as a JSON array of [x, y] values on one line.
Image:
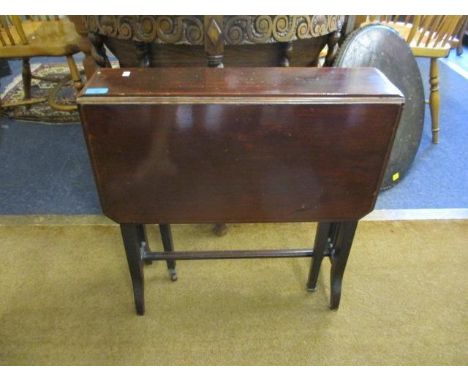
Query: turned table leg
[[220, 229], [168, 244], [321, 245], [339, 257], [132, 238]]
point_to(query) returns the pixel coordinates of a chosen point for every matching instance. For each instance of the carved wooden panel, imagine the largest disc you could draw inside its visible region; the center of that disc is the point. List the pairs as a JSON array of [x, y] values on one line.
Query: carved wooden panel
[[234, 30]]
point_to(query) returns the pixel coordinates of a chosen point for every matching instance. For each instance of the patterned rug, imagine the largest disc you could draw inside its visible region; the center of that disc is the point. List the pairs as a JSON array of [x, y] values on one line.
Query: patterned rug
[[42, 112]]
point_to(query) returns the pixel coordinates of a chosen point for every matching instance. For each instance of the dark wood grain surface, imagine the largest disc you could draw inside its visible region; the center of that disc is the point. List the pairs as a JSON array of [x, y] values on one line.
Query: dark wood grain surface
[[246, 82], [205, 163]]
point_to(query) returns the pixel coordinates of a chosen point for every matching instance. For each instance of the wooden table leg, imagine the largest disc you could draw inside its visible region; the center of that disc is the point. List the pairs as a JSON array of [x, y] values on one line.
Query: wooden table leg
[[142, 237], [342, 245], [321, 244], [220, 229], [132, 235], [168, 244]]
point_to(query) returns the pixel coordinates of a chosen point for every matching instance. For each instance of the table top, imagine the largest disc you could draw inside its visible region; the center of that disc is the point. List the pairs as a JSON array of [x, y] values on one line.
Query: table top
[[195, 145], [239, 82]]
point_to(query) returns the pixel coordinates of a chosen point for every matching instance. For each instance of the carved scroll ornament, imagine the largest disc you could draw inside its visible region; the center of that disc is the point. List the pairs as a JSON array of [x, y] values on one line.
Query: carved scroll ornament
[[235, 30]]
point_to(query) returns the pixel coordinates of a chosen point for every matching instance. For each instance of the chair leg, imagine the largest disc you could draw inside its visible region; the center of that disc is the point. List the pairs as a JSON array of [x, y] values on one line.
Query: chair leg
[[434, 99], [26, 74], [168, 244], [74, 72], [339, 259], [131, 235], [75, 76]]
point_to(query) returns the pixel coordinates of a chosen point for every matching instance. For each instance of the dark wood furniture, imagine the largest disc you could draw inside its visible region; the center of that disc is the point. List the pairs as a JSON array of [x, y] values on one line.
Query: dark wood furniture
[[199, 145], [214, 40]]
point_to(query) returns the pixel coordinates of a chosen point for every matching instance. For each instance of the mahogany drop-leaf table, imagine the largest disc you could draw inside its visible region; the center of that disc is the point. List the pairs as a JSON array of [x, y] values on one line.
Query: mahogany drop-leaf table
[[239, 145]]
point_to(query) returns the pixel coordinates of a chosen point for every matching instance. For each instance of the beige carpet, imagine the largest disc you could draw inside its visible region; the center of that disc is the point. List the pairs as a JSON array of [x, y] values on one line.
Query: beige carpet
[[65, 298]]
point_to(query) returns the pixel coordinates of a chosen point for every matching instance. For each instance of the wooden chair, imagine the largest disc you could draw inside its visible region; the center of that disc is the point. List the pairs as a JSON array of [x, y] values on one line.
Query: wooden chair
[[461, 34], [431, 37], [33, 36]]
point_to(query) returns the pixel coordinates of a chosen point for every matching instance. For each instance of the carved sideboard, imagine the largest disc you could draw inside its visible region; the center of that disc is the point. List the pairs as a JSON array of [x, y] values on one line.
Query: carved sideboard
[[215, 41]]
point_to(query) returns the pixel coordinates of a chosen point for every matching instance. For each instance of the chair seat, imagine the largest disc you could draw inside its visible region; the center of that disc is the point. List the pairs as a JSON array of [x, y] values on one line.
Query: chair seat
[[45, 38]]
